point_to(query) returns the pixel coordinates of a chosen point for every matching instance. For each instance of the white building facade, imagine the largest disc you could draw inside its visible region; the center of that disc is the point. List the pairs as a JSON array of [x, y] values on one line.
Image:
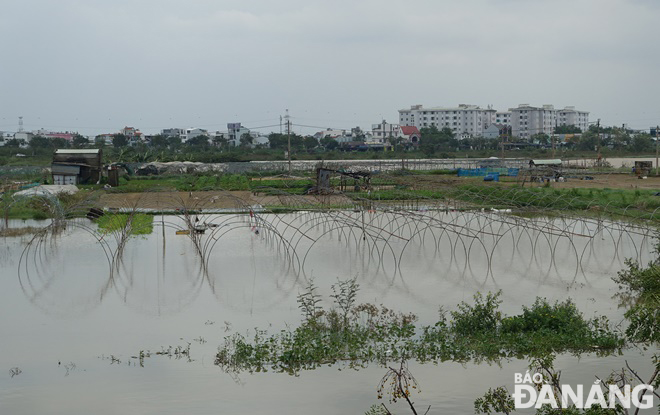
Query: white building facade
[[571, 116], [464, 120], [527, 120], [382, 132], [473, 121]]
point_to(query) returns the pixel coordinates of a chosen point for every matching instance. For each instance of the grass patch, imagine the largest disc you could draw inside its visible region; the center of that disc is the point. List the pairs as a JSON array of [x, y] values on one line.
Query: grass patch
[[138, 224]]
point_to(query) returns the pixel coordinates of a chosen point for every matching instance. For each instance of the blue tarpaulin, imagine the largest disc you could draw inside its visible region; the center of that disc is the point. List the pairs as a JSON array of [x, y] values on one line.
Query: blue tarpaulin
[[483, 171]]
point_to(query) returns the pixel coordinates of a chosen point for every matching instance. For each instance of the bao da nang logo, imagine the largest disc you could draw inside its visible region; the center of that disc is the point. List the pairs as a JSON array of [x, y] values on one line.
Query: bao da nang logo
[[530, 391]]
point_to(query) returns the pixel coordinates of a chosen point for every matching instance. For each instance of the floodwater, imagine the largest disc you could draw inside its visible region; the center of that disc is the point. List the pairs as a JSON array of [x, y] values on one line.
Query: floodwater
[[76, 313]]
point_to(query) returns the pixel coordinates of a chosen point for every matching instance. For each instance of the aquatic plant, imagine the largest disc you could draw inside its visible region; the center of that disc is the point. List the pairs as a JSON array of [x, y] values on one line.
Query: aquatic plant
[[357, 335]]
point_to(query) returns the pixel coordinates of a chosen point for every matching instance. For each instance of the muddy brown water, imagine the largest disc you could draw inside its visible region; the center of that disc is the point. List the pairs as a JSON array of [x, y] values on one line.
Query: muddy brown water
[[73, 327]]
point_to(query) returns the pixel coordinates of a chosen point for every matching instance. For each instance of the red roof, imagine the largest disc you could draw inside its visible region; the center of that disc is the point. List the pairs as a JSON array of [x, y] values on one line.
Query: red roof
[[407, 130]]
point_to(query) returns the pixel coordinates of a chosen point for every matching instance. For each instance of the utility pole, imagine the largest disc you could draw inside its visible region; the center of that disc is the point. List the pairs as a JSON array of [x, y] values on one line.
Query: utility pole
[[552, 138], [505, 135], [288, 136], [599, 141], [657, 128]]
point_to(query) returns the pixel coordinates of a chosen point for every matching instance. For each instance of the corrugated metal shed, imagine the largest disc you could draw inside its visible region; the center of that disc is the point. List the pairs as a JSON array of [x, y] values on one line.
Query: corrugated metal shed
[[87, 162]]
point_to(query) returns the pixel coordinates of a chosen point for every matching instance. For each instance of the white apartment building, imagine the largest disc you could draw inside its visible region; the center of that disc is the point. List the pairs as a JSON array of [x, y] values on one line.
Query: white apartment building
[[472, 121], [571, 116], [464, 120], [503, 117], [527, 120]]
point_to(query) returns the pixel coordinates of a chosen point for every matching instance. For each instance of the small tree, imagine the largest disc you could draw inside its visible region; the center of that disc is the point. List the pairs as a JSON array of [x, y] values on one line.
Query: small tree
[[119, 140], [200, 142], [79, 141], [39, 141], [329, 143], [246, 140], [310, 142], [220, 141], [159, 141]]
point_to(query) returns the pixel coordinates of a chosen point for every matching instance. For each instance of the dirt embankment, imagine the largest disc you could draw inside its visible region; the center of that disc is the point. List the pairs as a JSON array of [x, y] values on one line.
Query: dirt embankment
[[244, 199]]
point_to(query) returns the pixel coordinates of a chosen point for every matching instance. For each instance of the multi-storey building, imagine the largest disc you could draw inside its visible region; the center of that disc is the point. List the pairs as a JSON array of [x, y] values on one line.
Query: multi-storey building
[[174, 132], [503, 117], [464, 120], [384, 131], [527, 120], [471, 120], [571, 116], [235, 131]]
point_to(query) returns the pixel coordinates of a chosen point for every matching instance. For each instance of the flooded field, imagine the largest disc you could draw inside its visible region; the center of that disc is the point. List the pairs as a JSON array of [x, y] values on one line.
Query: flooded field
[[79, 306]]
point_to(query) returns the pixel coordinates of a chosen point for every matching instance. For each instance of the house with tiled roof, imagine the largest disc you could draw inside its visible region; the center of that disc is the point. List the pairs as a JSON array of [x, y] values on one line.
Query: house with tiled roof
[[410, 134]]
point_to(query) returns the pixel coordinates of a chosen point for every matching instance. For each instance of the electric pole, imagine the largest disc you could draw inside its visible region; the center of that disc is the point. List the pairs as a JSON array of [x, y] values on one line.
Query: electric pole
[[657, 128], [598, 145], [288, 136], [552, 138]]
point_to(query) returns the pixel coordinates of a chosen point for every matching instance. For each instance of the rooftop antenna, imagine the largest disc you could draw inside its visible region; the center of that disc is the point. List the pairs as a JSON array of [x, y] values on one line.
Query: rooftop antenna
[[20, 124]]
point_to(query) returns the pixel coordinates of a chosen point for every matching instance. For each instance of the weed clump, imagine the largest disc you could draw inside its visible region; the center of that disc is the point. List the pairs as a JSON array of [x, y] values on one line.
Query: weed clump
[[357, 334]]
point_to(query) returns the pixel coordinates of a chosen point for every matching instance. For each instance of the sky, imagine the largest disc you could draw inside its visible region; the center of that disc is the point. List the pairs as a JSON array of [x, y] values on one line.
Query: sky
[[95, 66]]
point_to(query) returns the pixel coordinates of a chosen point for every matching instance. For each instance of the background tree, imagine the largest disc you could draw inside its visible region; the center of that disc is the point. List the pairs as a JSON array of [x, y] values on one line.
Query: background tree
[[310, 142], [642, 142], [119, 140], [587, 141], [159, 141], [79, 141], [13, 142], [39, 141], [540, 138], [59, 142], [329, 143], [567, 129], [200, 143], [619, 139], [246, 140], [279, 141], [397, 143], [220, 141], [174, 142], [99, 141], [433, 140]]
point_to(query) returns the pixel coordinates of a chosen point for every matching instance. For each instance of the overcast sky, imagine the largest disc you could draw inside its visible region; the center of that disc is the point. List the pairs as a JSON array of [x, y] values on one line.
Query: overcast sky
[[97, 65]]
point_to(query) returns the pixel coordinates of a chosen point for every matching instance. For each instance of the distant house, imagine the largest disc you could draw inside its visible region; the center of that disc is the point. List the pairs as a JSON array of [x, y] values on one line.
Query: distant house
[[235, 131], [410, 134], [133, 135], [384, 131], [76, 166]]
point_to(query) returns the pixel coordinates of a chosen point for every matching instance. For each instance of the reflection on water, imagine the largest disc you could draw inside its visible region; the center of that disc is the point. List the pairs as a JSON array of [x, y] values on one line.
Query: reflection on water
[[254, 263], [97, 293]]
